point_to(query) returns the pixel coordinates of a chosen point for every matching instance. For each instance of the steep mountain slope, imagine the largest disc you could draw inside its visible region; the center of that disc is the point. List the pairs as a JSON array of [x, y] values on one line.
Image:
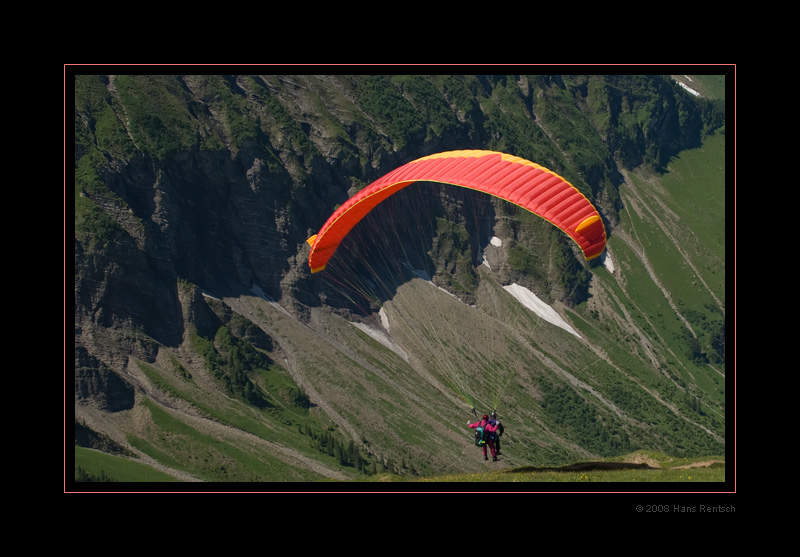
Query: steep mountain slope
[[204, 345]]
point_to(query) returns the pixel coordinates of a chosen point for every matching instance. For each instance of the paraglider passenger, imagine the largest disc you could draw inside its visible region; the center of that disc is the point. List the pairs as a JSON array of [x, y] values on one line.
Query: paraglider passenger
[[488, 429]]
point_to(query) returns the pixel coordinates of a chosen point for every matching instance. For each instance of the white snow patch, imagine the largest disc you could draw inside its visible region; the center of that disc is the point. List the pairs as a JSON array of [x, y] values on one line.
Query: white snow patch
[[691, 91], [381, 336], [532, 302], [496, 242], [607, 263], [384, 319]]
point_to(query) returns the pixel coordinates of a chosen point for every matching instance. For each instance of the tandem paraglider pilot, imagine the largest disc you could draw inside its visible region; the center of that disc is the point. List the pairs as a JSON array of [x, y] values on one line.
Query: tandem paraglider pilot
[[495, 421]]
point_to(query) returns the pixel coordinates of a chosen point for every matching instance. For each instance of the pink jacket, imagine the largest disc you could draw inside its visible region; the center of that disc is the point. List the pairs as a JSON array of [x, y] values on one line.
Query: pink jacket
[[486, 426]]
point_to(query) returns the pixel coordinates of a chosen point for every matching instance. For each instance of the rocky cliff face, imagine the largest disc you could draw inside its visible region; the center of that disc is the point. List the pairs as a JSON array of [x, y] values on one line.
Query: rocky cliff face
[[196, 188]]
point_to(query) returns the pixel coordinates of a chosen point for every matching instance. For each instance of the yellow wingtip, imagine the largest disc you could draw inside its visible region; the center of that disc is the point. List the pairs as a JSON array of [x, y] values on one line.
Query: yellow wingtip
[[588, 222]]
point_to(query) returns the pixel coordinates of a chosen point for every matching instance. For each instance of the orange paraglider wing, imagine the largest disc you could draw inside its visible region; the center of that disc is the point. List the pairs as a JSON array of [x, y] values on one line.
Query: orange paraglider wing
[[519, 181]]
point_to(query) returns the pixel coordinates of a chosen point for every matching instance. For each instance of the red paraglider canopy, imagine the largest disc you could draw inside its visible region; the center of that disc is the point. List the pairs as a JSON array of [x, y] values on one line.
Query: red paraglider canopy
[[519, 181]]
